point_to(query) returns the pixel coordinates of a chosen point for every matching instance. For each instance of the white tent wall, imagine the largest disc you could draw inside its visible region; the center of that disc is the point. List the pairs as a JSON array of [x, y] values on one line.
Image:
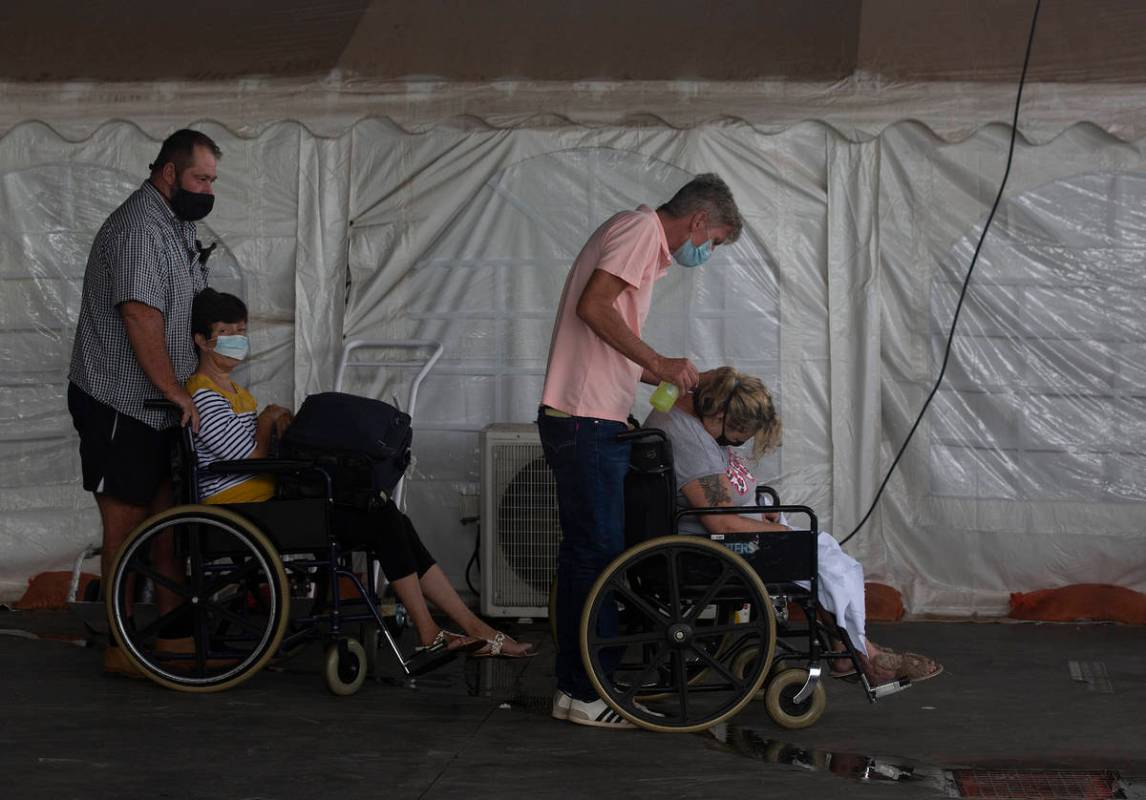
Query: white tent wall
[[473, 249], [1028, 471], [837, 295], [54, 195]]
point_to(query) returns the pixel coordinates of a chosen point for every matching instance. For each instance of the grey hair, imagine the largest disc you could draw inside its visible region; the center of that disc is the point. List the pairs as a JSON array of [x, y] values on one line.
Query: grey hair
[[707, 192]]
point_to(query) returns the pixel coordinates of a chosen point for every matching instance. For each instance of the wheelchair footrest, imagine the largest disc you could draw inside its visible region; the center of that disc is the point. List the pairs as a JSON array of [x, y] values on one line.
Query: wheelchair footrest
[[814, 671], [887, 689]]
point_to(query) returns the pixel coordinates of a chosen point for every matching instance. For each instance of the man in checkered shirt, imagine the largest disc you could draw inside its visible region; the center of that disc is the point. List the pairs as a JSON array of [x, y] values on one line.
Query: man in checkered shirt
[[133, 343]]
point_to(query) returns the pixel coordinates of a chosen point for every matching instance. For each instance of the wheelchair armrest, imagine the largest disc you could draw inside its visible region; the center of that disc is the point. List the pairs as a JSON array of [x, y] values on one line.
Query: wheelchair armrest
[[762, 490], [249, 466], [274, 466], [160, 404], [700, 511]]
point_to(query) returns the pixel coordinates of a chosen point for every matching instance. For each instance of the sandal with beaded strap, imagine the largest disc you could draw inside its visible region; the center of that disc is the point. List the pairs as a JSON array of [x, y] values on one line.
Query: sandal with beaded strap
[[451, 642], [496, 648]]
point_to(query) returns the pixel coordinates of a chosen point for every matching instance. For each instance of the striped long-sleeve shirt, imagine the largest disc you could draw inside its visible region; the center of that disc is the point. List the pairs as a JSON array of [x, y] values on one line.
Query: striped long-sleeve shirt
[[227, 420]]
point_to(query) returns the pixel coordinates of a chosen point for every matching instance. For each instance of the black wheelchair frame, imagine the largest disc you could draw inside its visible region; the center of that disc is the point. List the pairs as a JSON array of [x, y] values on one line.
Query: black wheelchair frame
[[696, 622], [239, 591]]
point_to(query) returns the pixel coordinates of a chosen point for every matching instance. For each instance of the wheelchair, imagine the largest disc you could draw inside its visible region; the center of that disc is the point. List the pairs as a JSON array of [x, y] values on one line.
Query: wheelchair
[[260, 581], [680, 632]]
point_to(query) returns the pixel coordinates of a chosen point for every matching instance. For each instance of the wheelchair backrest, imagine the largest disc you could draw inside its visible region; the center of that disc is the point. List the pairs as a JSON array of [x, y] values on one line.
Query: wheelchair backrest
[[650, 488], [185, 468]]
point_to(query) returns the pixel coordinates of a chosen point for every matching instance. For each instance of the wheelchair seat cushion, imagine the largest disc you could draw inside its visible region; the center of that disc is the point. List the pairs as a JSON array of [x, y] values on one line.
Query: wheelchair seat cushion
[[291, 525]]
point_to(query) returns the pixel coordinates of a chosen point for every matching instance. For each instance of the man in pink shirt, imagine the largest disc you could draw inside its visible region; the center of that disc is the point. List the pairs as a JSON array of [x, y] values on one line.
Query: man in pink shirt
[[596, 358]]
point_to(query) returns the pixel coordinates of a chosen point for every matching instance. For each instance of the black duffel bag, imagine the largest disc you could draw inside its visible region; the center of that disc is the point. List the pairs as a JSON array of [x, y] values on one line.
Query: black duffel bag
[[361, 443]]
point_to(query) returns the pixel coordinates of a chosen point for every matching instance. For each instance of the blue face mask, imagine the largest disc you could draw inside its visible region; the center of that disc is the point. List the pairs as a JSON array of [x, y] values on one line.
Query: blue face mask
[[236, 347], [690, 255]]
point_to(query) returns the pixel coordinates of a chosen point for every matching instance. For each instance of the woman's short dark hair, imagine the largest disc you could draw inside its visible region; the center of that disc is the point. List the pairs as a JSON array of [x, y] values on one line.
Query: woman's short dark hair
[[210, 307]]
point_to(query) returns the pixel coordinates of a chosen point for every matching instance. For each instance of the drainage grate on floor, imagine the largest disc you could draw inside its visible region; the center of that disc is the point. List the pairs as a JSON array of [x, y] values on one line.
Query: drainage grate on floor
[[1093, 674], [1037, 785]]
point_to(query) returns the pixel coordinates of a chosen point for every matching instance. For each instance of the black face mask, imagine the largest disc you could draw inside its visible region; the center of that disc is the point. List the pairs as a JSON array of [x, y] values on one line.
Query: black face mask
[[191, 206]]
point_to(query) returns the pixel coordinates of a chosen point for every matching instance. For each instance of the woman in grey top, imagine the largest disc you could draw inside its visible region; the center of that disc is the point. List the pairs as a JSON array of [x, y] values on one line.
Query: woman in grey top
[[706, 428]]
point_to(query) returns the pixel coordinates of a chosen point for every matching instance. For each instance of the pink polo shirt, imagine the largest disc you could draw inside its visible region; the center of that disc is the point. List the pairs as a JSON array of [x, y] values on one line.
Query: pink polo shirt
[[586, 377]]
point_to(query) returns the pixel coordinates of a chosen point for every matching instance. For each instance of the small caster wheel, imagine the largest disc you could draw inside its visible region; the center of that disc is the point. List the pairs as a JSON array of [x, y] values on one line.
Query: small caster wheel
[[744, 662], [782, 708], [345, 667]]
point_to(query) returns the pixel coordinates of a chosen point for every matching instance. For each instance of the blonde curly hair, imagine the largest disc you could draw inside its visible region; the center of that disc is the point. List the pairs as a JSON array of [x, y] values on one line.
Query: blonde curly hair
[[749, 403]]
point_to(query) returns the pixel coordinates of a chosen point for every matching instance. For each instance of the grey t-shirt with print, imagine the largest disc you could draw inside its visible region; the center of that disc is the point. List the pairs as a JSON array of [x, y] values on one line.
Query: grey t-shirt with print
[[696, 455]]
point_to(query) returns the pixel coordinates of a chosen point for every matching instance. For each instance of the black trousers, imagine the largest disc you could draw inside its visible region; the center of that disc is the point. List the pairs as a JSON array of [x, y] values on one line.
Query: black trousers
[[389, 533]]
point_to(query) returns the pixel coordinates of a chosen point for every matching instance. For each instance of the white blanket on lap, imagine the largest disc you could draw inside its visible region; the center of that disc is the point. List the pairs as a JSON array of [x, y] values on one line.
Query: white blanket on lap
[[840, 589]]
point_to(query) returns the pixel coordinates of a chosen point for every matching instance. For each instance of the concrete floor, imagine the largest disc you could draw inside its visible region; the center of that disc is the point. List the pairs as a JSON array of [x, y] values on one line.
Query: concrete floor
[[1007, 701]]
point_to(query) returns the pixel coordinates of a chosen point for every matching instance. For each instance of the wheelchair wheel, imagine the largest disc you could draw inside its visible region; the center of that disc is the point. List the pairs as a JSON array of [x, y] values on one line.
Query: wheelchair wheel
[[345, 667], [696, 668], [743, 663], [656, 644], [232, 597], [779, 699]]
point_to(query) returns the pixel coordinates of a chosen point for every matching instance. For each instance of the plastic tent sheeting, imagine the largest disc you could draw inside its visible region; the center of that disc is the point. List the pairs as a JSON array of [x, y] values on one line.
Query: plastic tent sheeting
[[1025, 474], [1031, 469], [847, 267], [54, 195]]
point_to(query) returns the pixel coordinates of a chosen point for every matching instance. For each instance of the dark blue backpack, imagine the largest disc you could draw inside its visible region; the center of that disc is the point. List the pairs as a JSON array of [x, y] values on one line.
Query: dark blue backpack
[[361, 443]]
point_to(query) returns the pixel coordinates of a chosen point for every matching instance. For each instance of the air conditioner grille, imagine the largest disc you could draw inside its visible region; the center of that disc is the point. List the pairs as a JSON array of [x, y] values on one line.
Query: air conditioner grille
[[527, 524]]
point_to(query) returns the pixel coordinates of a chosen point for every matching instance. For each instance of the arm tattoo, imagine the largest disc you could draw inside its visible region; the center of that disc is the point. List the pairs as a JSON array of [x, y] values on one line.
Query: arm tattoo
[[714, 492]]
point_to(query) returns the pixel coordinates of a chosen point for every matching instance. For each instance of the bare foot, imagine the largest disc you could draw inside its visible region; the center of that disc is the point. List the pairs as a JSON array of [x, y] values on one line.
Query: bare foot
[[884, 666], [458, 641]]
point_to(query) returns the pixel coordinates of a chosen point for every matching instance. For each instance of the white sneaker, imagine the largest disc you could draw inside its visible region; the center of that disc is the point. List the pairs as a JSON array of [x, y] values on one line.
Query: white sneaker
[[561, 704], [597, 714]]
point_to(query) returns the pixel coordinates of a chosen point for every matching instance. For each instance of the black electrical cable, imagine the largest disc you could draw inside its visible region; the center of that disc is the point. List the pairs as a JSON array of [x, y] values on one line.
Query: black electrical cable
[[475, 557], [966, 281]]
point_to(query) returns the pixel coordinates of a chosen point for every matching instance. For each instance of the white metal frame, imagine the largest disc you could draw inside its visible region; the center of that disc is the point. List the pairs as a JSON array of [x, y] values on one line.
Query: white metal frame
[[344, 363]]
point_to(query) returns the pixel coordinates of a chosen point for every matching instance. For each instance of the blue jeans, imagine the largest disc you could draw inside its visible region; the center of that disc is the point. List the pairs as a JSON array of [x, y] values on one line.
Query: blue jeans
[[589, 466]]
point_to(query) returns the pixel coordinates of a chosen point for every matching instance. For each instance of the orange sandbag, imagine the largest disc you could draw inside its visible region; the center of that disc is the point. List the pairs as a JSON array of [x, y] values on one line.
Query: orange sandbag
[[1081, 602], [50, 590], [884, 603]]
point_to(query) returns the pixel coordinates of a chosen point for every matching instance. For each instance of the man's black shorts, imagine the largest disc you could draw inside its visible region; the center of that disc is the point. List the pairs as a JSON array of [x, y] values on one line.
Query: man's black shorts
[[120, 456]]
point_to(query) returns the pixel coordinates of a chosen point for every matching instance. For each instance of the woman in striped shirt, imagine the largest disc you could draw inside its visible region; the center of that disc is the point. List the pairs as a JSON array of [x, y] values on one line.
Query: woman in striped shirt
[[230, 429]]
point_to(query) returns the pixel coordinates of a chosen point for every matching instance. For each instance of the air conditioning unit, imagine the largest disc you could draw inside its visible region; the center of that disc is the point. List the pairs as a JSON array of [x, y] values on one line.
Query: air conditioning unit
[[520, 529]]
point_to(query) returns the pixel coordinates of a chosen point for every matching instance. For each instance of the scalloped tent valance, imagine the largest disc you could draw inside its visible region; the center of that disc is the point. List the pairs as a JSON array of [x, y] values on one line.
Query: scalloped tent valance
[[857, 108], [855, 65]]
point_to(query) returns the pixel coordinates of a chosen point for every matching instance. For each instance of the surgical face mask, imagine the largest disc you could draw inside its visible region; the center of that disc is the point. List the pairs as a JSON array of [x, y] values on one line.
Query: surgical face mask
[[191, 206], [691, 255], [236, 347]]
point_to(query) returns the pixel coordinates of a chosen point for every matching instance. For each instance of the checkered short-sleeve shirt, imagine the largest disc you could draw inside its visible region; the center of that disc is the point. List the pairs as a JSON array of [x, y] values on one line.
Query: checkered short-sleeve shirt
[[143, 253]]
